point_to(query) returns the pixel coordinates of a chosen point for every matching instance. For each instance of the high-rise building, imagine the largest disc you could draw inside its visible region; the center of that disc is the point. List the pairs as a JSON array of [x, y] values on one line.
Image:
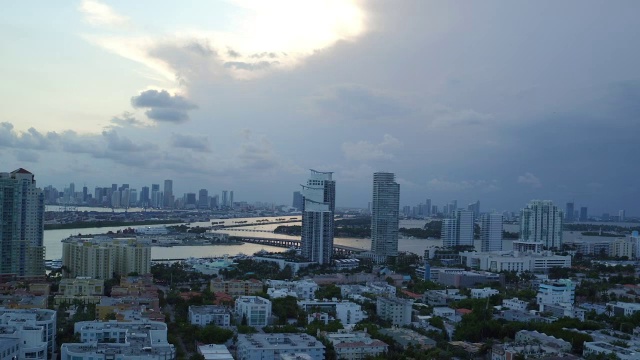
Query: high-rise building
[[225, 198], [156, 197], [144, 196], [475, 208], [491, 232], [231, 199], [297, 200], [317, 217], [584, 215], [190, 201], [541, 222], [21, 225], [568, 213], [427, 206], [203, 199], [85, 192], [384, 214], [621, 216], [458, 229], [168, 194]]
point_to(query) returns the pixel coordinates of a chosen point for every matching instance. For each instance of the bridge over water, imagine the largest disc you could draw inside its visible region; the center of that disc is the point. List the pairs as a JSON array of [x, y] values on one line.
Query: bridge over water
[[289, 243]]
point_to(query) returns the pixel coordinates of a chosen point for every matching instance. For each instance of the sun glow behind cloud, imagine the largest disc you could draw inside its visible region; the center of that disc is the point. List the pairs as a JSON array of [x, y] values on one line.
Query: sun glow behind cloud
[[265, 36]]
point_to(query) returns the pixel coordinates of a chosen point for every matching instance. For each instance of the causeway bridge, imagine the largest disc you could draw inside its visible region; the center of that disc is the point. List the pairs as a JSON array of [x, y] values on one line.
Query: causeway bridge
[[289, 243]]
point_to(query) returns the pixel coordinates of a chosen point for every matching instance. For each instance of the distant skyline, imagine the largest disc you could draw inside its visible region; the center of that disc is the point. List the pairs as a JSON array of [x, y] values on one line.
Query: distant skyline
[[498, 101]]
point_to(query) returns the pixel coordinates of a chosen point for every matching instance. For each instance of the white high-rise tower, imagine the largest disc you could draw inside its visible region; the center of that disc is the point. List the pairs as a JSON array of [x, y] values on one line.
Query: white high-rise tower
[[458, 230], [541, 223], [384, 214], [491, 232], [319, 206]]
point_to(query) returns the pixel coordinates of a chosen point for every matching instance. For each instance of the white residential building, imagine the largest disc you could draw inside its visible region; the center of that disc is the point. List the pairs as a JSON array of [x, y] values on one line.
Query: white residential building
[[255, 309], [599, 347], [355, 345], [443, 312], [209, 314], [347, 312], [515, 304], [10, 348], [623, 308], [36, 329], [498, 261], [273, 346], [558, 292], [119, 340], [483, 293], [623, 247], [396, 310], [302, 289], [214, 352]]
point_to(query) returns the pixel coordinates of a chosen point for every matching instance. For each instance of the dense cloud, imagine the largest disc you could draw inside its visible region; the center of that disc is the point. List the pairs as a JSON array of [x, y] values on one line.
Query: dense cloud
[[193, 142], [163, 106]]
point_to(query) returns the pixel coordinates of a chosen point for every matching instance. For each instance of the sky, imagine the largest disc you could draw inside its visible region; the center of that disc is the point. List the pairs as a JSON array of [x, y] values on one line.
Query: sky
[[497, 101]]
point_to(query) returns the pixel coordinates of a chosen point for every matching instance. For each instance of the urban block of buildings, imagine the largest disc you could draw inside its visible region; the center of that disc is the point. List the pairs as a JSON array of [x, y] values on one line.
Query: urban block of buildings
[[396, 310]]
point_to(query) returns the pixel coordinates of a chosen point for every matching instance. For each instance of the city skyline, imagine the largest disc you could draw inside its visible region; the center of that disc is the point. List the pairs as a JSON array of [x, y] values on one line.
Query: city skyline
[[216, 103]]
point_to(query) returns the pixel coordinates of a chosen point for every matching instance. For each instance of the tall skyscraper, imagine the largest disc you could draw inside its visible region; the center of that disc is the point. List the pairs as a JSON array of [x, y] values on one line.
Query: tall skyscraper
[[568, 212], [168, 194], [458, 229], [584, 214], [156, 197], [144, 196], [231, 199], [203, 199], [384, 214], [428, 207], [541, 222], [21, 225], [475, 208], [297, 200], [225, 198], [317, 217], [622, 216], [491, 232]]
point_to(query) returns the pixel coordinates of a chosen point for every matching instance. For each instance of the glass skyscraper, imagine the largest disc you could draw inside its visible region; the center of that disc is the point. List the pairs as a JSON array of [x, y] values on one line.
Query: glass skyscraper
[[384, 214], [319, 206]]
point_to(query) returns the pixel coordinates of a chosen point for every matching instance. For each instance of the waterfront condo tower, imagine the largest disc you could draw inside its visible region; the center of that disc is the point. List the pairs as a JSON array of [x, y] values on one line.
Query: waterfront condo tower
[[541, 222], [319, 206], [21, 225], [491, 232], [385, 209], [458, 229]]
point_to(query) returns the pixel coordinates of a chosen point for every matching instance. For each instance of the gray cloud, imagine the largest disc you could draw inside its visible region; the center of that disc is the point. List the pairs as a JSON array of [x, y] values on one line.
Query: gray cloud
[[193, 142], [126, 119], [162, 106], [260, 65], [27, 155], [31, 139], [356, 102]]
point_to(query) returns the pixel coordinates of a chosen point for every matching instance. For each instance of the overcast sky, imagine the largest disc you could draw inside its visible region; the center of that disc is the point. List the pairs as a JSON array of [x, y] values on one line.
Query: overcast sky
[[501, 101]]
